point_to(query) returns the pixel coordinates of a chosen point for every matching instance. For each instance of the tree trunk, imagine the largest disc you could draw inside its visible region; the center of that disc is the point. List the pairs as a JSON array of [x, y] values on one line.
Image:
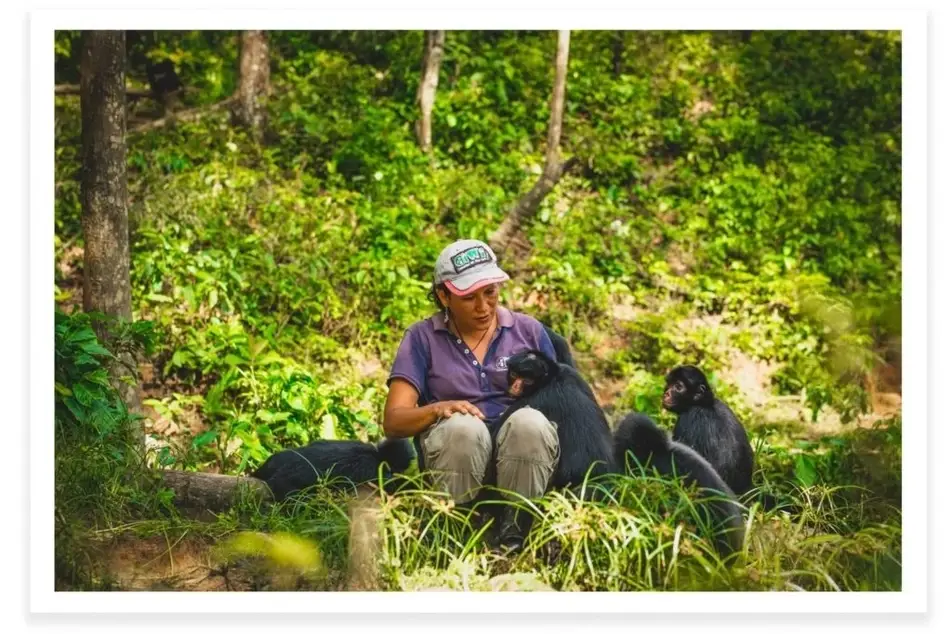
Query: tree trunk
[[528, 205], [365, 546], [106, 286], [254, 83], [618, 51], [429, 79]]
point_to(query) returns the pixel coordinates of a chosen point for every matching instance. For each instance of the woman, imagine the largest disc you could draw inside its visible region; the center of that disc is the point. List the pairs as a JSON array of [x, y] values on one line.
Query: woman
[[448, 385]]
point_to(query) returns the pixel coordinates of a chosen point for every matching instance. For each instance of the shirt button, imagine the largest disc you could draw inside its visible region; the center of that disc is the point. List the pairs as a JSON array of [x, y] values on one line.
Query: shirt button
[[467, 351], [459, 341], [475, 363], [482, 374]]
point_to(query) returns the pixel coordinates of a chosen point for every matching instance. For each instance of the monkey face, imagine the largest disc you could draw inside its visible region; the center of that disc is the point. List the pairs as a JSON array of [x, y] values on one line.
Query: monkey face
[[519, 385], [685, 387], [675, 396]]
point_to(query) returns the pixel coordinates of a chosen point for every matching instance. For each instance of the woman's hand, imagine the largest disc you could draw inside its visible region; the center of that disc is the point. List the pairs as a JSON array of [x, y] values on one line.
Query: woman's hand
[[403, 419], [445, 409]]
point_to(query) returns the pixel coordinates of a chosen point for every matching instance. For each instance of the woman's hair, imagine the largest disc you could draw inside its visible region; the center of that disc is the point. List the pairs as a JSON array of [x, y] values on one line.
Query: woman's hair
[[435, 297]]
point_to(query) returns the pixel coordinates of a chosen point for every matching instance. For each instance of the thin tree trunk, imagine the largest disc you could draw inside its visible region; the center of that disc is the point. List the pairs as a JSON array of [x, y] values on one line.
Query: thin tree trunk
[[254, 83], [106, 286], [429, 79], [618, 51], [528, 205]]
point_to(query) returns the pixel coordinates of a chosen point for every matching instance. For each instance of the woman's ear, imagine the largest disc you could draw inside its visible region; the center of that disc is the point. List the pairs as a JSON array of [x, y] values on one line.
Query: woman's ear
[[444, 297]]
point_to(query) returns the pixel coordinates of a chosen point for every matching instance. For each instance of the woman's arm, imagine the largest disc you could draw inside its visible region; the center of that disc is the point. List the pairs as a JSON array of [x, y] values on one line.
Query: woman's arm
[[402, 418]]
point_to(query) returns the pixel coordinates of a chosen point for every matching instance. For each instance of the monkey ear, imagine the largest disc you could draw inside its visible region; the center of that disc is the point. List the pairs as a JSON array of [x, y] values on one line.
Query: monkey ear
[[701, 390]]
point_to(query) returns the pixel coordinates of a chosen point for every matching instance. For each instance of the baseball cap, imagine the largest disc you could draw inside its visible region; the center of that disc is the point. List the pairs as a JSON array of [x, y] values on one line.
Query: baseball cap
[[467, 265]]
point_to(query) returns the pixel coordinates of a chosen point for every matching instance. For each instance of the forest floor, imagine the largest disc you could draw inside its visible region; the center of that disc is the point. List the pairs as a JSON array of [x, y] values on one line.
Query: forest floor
[[159, 563]]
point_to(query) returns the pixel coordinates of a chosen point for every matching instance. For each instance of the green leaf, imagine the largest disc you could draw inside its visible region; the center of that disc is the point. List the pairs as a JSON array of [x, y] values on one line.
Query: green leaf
[[189, 294], [451, 120], [94, 349], [213, 298], [180, 358], [83, 394], [86, 334], [98, 377], [233, 360], [805, 470], [157, 297], [204, 438], [272, 417], [295, 430], [77, 410], [269, 358], [84, 359], [166, 459]]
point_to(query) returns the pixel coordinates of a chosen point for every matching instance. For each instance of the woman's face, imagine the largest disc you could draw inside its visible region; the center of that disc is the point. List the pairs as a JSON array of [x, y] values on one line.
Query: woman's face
[[474, 311]]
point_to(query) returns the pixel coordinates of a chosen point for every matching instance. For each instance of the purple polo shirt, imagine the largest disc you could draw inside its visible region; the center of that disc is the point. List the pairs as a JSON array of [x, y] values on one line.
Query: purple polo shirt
[[442, 367]]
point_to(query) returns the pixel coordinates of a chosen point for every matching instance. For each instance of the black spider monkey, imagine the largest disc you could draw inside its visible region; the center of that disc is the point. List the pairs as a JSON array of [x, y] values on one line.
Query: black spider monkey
[[639, 437], [337, 463], [708, 426]]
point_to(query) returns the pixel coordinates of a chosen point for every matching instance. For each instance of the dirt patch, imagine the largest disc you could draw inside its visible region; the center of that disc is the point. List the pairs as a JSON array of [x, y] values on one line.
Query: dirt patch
[[69, 266], [190, 564], [752, 377], [154, 563], [607, 391]]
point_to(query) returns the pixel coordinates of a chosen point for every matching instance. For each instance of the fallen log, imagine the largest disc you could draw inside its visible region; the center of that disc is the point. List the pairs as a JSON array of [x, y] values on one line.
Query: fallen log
[[212, 492]]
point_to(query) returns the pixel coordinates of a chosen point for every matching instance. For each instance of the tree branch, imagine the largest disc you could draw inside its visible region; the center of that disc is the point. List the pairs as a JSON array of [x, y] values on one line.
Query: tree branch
[[528, 205], [131, 93], [184, 116]]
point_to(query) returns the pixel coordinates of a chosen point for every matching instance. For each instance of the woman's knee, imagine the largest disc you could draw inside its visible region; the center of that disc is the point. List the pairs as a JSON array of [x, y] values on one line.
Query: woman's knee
[[460, 437], [528, 434], [464, 431], [458, 451]]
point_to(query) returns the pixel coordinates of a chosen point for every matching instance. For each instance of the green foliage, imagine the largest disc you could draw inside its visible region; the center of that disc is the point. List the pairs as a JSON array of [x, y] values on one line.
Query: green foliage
[[93, 454], [87, 404], [736, 194]]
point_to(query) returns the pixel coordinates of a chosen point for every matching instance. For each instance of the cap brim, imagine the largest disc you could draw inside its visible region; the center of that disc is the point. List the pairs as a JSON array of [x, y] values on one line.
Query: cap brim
[[469, 283]]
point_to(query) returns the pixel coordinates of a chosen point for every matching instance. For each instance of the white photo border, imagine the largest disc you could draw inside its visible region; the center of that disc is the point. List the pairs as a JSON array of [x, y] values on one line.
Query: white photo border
[[912, 598]]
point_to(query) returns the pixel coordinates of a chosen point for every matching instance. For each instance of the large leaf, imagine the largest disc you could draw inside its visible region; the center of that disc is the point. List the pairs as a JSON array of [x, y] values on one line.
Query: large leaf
[[805, 470], [93, 348], [205, 438]]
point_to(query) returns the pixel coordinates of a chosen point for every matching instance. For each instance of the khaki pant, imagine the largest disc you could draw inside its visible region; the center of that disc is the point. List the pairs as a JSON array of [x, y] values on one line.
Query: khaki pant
[[458, 450]]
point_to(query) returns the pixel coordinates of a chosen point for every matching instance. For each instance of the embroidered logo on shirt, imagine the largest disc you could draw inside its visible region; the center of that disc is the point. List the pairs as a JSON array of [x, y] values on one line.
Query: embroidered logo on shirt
[[502, 363]]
